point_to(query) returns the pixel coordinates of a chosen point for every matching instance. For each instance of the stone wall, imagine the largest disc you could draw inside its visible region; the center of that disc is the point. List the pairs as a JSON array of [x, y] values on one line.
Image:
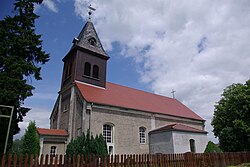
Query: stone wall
[[176, 142], [60, 148], [161, 143], [182, 141], [125, 129]]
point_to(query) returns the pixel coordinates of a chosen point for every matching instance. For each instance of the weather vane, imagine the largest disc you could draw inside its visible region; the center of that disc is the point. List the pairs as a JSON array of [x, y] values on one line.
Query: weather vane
[[91, 9]]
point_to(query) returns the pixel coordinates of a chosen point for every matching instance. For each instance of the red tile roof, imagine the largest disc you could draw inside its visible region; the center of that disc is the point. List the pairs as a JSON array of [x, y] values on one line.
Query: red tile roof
[[122, 96], [178, 127], [54, 132]]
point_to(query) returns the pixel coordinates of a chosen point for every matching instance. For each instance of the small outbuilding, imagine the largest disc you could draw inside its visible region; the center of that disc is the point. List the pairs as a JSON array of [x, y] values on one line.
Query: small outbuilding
[[177, 138], [52, 141]]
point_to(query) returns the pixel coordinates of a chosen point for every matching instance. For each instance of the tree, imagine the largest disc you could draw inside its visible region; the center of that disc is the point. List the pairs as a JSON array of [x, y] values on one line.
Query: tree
[[87, 145], [212, 148], [21, 57], [17, 146], [31, 140], [231, 120]]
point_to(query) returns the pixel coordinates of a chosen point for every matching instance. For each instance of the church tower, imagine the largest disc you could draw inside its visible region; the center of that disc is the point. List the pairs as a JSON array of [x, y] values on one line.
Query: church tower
[[86, 61]]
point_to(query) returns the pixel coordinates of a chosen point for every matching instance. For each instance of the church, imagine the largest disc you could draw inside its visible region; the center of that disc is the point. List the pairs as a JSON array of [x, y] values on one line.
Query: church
[[129, 119]]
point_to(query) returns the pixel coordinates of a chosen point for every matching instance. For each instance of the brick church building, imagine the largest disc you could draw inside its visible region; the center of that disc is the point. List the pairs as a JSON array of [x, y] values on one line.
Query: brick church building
[[125, 116]]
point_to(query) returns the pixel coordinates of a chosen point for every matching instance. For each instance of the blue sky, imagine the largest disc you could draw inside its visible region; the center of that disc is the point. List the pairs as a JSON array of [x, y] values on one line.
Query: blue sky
[[58, 30], [194, 47]]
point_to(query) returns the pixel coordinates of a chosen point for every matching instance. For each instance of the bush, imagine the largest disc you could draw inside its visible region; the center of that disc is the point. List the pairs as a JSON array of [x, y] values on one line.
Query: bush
[[212, 148], [87, 145]]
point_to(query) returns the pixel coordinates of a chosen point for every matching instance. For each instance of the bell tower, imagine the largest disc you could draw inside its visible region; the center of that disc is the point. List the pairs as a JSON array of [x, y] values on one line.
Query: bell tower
[[86, 61]]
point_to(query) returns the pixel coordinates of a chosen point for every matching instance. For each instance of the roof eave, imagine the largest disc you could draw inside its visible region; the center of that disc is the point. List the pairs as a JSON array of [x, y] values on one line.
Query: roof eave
[[53, 135], [144, 110], [76, 47], [177, 130]]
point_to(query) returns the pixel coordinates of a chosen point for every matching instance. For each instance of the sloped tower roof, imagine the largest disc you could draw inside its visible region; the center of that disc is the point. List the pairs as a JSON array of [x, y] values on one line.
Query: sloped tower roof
[[88, 39]]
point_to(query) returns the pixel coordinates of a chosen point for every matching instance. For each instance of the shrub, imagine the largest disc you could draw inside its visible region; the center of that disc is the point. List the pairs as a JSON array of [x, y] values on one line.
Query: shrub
[[87, 145], [212, 148]]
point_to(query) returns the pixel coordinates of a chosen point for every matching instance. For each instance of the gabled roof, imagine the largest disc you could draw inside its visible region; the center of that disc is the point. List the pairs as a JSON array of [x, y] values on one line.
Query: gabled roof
[[52, 132], [88, 32], [122, 96], [177, 127]]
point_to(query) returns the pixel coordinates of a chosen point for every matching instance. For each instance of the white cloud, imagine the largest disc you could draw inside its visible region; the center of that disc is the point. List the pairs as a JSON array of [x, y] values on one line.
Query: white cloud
[[34, 114], [50, 4], [44, 96], [163, 36]]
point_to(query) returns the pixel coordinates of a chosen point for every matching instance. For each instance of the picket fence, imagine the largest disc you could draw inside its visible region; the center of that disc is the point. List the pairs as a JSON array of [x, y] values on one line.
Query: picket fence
[[144, 160]]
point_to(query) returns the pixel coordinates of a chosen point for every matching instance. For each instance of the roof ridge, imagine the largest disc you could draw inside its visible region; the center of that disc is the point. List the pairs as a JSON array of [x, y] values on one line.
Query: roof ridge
[[188, 126], [170, 125], [182, 128], [46, 131], [142, 91], [99, 87]]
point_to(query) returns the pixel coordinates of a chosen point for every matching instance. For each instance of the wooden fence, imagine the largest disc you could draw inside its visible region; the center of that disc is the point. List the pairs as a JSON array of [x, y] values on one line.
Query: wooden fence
[[145, 160]]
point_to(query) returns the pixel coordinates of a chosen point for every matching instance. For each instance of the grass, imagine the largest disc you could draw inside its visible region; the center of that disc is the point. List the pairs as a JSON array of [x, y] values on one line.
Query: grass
[[241, 165]]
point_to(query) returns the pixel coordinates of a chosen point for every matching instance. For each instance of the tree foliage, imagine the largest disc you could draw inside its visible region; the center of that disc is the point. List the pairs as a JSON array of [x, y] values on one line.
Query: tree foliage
[[87, 145], [231, 119], [17, 146], [212, 148], [30, 143], [21, 57]]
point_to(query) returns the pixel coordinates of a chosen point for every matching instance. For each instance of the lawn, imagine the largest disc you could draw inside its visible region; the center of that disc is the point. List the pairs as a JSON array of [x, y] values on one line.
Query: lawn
[[242, 165]]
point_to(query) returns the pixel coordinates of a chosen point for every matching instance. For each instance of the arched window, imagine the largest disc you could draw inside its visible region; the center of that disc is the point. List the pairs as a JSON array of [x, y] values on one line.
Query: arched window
[[142, 134], [95, 73], [87, 68], [53, 151], [192, 145], [92, 41], [108, 133]]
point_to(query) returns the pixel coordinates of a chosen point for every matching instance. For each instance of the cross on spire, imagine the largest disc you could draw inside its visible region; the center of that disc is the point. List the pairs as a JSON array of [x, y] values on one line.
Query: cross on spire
[[91, 9], [173, 91]]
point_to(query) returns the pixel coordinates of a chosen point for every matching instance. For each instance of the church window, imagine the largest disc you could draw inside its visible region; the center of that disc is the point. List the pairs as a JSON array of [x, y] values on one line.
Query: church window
[[66, 73], [108, 133], [53, 151], [68, 70], [92, 41], [110, 150], [65, 107], [192, 145], [87, 67], [95, 71], [142, 134]]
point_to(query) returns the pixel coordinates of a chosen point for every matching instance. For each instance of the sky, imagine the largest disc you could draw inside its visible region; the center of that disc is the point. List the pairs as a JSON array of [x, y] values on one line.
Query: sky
[[195, 47]]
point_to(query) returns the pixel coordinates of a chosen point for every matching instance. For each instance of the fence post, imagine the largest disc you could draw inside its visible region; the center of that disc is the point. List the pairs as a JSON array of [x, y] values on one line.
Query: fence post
[[15, 161], [189, 158], [3, 160], [31, 160], [9, 160]]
